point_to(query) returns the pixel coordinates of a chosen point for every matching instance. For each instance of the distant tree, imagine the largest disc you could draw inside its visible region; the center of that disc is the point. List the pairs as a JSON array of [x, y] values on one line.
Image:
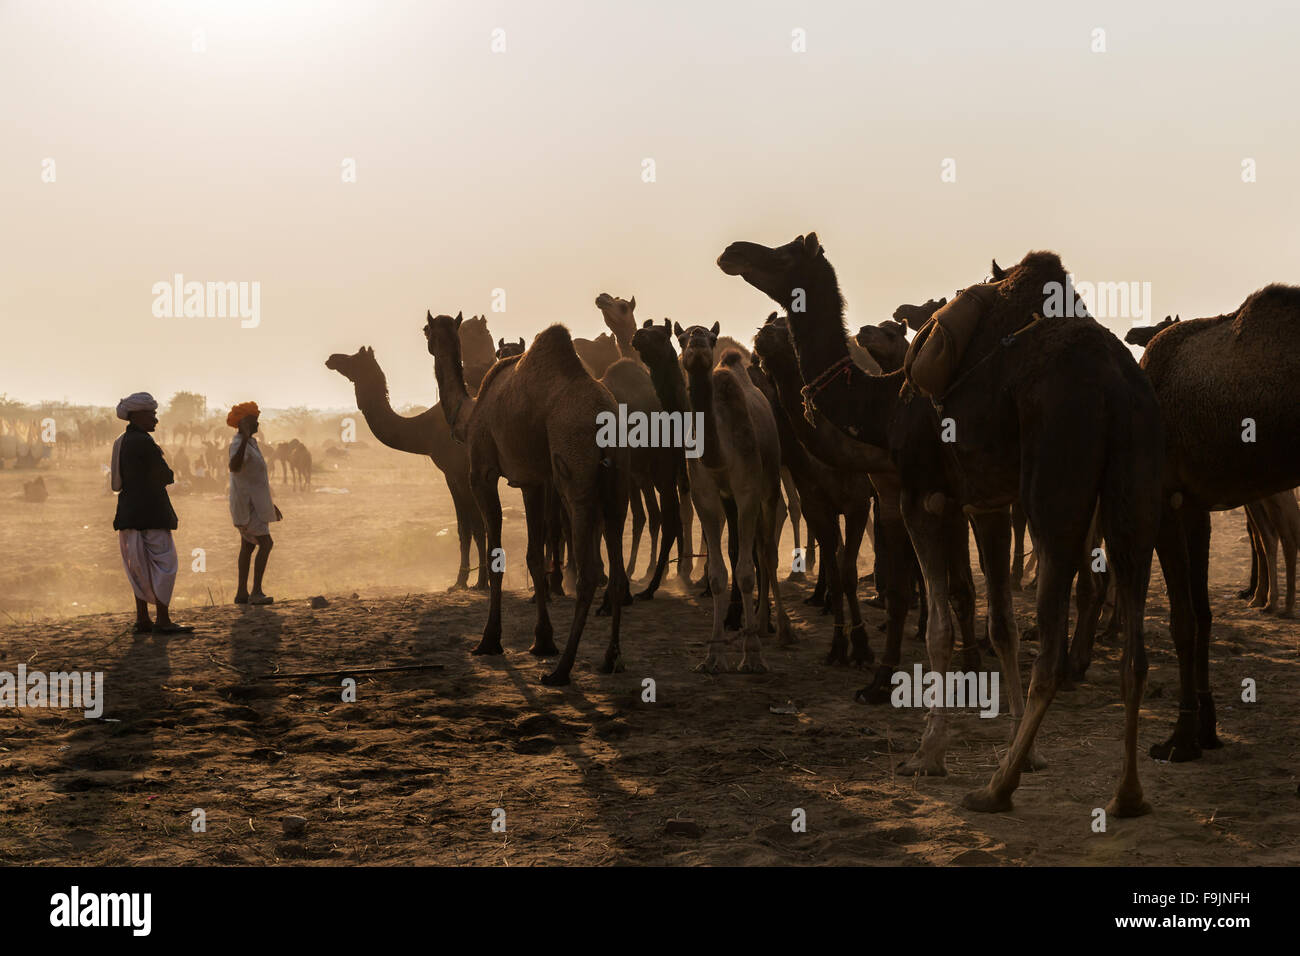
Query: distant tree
[[187, 407]]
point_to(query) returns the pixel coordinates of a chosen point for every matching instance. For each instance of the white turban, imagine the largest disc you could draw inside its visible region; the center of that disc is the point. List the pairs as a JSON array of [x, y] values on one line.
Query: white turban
[[139, 402]]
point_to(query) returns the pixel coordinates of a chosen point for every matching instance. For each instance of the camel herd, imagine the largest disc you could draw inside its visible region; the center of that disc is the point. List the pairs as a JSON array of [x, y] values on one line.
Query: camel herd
[[991, 418]]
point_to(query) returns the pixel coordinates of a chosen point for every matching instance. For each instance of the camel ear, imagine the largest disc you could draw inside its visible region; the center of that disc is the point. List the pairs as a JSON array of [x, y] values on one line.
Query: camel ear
[[668, 325], [648, 323], [521, 342], [998, 271], [811, 245], [501, 343], [632, 304], [428, 314], [677, 329], [770, 319], [717, 327], [1178, 318], [943, 302], [459, 319]]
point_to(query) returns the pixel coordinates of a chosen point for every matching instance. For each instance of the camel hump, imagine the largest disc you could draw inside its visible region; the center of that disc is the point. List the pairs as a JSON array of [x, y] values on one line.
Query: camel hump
[[1274, 309], [936, 351], [733, 358], [552, 354]]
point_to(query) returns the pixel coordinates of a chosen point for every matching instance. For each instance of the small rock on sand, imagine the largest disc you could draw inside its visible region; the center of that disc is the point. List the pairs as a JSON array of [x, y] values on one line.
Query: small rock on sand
[[293, 826], [688, 828], [319, 602]]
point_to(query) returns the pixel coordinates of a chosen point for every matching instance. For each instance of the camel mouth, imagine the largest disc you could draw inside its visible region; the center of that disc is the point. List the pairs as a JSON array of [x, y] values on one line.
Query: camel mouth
[[334, 361], [603, 300], [730, 264]]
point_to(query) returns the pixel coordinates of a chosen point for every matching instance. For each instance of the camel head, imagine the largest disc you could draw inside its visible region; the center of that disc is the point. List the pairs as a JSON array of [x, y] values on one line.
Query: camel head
[[773, 346], [886, 343], [507, 349], [779, 272], [916, 316], [697, 344], [618, 315], [358, 366], [1143, 334], [441, 335], [476, 344], [655, 343]]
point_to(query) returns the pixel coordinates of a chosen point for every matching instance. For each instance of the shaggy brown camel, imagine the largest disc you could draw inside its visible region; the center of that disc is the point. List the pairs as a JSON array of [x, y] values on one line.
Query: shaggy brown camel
[[1065, 420], [740, 461], [1274, 520], [827, 492], [1225, 387], [516, 429], [423, 434], [653, 471]]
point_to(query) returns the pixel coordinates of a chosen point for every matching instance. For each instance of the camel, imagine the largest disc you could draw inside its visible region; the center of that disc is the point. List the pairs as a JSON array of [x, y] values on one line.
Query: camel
[[507, 349], [477, 351], [534, 422], [741, 461], [1143, 334], [621, 321], [1273, 519], [915, 316], [297, 458], [597, 354], [1224, 385], [1065, 420], [423, 434], [828, 491]]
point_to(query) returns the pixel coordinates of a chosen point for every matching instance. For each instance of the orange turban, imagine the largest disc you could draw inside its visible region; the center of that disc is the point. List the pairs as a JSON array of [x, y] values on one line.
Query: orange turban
[[240, 412]]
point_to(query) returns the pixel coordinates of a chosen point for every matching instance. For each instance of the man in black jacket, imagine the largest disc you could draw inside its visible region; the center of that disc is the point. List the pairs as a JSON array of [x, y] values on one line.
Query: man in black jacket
[[145, 519]]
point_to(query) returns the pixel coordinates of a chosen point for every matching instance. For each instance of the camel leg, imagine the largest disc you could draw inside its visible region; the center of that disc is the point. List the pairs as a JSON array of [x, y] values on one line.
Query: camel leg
[[993, 531], [795, 511], [655, 520], [463, 532], [769, 552], [855, 527], [1287, 533], [585, 544], [1018, 540], [535, 514], [1197, 524], [1089, 593], [829, 574], [893, 581], [489, 503], [735, 607], [1175, 565], [743, 571], [685, 540], [1266, 597], [555, 531], [1252, 533], [961, 586], [614, 500], [638, 524], [926, 530], [671, 517], [711, 516]]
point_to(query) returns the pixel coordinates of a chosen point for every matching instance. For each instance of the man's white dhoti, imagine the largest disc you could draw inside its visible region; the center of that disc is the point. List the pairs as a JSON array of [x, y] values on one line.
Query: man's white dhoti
[[150, 561]]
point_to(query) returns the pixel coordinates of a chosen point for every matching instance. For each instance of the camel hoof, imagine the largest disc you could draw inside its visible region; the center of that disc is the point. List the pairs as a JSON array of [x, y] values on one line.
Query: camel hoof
[[542, 648], [970, 659], [1077, 675], [877, 602], [837, 656], [754, 666], [1175, 750], [1245, 593], [922, 767], [985, 800], [646, 595], [458, 586], [612, 667], [862, 655], [796, 576], [1127, 807], [487, 647], [709, 666], [556, 679], [879, 690], [812, 600]]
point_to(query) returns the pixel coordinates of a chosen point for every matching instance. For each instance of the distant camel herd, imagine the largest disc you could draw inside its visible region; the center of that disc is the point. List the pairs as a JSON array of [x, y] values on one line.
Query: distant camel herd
[[991, 418]]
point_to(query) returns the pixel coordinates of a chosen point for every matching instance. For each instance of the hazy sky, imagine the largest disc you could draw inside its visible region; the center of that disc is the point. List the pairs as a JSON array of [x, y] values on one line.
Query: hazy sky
[[522, 170]]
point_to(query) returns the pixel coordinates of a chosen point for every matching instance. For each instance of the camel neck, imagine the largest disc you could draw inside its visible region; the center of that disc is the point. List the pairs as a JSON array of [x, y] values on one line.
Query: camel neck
[[701, 401], [670, 386], [450, 375], [394, 430]]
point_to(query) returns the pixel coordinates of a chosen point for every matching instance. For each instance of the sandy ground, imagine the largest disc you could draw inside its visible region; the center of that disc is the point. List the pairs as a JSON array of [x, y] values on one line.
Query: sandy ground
[[589, 774]]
